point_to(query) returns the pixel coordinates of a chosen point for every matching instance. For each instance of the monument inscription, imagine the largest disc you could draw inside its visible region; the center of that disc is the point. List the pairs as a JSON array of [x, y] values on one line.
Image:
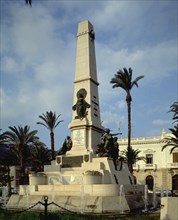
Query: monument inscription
[[78, 138], [74, 161]]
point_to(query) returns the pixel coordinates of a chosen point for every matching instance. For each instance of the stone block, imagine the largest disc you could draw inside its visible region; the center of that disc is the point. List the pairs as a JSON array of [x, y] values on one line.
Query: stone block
[[169, 210]]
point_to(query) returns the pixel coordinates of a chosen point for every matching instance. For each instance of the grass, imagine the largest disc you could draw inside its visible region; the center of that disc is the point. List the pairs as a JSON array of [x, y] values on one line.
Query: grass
[[31, 215]]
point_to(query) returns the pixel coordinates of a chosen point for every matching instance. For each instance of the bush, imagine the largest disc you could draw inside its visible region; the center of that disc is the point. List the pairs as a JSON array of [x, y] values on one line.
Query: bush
[[31, 215]]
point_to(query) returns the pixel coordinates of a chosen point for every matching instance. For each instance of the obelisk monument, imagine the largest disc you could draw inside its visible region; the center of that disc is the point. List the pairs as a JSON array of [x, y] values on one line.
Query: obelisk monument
[[86, 125]]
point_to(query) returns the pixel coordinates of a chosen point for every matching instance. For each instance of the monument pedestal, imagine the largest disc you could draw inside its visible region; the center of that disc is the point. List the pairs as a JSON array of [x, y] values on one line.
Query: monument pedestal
[[81, 184]]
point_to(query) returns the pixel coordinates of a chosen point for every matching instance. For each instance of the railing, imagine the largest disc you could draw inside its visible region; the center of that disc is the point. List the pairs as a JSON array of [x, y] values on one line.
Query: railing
[[172, 165], [150, 166]]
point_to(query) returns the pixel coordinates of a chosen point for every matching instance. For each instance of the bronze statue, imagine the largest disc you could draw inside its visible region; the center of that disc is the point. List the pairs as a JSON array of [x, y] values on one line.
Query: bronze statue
[[67, 146], [109, 147], [81, 105]]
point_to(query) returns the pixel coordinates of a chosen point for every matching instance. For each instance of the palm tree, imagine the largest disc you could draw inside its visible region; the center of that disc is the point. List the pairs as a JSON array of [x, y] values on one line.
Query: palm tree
[[50, 121], [132, 156], [7, 159], [2, 138], [172, 139], [21, 139], [123, 79], [174, 109], [41, 156]]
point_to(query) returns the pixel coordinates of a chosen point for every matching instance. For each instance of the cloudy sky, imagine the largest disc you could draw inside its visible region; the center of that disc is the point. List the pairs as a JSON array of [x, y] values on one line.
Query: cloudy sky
[[38, 52]]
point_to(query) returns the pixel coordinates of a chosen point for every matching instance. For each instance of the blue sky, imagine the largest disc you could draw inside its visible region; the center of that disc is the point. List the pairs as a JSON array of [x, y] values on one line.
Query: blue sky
[[38, 46]]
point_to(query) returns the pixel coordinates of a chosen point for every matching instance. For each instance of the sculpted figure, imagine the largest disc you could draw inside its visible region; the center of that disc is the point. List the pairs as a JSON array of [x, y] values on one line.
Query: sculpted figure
[[109, 147], [81, 106], [67, 145], [115, 153]]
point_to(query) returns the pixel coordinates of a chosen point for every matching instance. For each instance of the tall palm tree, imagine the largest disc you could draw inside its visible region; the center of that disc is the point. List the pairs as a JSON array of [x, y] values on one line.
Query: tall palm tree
[[50, 121], [21, 139], [133, 156], [123, 79]]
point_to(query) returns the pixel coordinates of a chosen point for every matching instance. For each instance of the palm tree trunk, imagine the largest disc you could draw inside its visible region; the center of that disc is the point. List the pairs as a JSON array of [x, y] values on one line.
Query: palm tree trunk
[[52, 145], [129, 124], [21, 170], [9, 180], [128, 100]]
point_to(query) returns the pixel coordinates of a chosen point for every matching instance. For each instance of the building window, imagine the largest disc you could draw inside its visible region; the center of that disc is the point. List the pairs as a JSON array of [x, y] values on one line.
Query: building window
[[175, 157], [150, 182], [149, 158]]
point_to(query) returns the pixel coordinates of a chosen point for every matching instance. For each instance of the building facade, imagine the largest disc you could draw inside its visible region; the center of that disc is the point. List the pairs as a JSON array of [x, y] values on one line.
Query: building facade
[[160, 168]]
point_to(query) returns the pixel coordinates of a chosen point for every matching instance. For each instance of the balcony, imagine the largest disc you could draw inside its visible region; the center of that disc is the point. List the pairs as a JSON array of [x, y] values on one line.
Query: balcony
[[150, 167], [172, 165]]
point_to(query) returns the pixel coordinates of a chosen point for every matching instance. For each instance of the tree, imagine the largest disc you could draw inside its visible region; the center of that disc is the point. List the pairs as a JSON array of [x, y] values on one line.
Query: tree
[[41, 156], [2, 138], [50, 121], [133, 156], [172, 139], [6, 160], [21, 139], [123, 79], [174, 109]]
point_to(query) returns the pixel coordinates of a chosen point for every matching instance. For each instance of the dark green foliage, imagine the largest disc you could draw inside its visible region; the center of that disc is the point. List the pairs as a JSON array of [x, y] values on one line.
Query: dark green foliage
[[9, 215], [131, 157], [172, 140], [20, 140]]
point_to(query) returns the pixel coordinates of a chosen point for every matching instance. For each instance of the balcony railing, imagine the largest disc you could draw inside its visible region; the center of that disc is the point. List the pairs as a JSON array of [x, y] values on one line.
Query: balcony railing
[[150, 166], [172, 165]]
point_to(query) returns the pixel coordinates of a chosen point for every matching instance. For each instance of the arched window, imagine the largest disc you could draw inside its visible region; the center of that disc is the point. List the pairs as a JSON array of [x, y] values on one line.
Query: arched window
[[175, 183], [150, 182]]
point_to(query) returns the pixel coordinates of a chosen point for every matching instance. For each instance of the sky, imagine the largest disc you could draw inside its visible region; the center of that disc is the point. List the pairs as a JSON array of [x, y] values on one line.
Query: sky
[[38, 55]]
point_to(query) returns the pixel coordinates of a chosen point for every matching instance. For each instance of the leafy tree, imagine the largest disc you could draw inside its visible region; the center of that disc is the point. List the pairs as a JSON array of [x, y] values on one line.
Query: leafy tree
[[133, 156], [123, 79], [50, 121], [21, 139]]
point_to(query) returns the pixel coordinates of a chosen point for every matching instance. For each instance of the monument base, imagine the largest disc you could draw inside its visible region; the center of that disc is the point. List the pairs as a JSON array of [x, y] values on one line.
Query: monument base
[[81, 184], [80, 203]]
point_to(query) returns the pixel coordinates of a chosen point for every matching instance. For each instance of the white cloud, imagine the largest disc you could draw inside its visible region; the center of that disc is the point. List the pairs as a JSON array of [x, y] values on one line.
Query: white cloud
[[161, 122], [121, 104], [38, 50], [112, 120], [9, 65]]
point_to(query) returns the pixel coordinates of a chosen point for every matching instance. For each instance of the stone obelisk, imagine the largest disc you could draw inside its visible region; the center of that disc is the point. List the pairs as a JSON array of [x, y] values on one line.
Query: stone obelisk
[[86, 125]]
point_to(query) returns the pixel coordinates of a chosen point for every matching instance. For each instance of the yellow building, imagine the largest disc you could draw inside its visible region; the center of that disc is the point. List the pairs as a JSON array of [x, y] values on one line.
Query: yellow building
[[160, 168]]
